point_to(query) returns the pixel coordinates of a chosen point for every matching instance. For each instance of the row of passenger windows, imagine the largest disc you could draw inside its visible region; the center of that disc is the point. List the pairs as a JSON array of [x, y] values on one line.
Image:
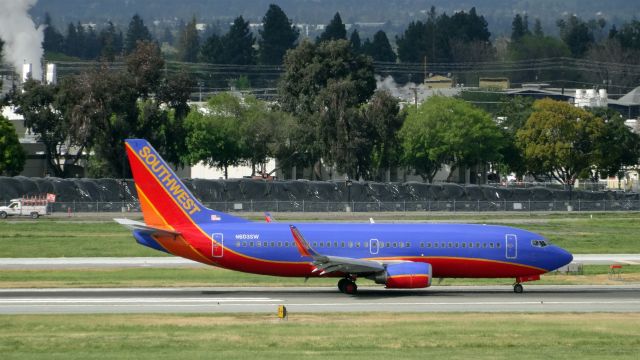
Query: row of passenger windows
[[381, 244]]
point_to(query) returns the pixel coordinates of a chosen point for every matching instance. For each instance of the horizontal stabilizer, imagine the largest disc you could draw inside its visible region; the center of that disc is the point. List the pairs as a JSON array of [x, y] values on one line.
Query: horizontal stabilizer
[[140, 226]]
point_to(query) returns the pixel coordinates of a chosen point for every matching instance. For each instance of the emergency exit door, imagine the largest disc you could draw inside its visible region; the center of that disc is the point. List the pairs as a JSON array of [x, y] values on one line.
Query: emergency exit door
[[217, 245]]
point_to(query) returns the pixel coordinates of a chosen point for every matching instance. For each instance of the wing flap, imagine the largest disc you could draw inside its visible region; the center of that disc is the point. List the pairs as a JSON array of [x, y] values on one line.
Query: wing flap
[[329, 264]]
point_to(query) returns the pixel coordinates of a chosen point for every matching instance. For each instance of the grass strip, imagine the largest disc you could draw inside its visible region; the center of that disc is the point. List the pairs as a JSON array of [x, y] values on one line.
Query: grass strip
[[322, 336], [605, 233]]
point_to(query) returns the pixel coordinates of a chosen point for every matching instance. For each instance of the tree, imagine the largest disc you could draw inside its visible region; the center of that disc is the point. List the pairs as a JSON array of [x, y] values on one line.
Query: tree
[[532, 48], [514, 113], [145, 65], [618, 145], [537, 28], [629, 35], [383, 113], [53, 39], [212, 50], [380, 48], [12, 156], [277, 36], [560, 140], [519, 27], [189, 42], [334, 31], [354, 39], [214, 135], [72, 43], [137, 31], [237, 44], [322, 86], [39, 106], [447, 130], [110, 42], [576, 34]]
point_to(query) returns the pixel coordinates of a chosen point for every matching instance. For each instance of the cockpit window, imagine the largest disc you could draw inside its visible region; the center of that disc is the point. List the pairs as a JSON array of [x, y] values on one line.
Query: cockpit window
[[539, 243]]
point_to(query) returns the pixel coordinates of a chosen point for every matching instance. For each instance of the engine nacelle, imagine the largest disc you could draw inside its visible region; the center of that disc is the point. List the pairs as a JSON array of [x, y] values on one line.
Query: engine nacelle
[[409, 275]]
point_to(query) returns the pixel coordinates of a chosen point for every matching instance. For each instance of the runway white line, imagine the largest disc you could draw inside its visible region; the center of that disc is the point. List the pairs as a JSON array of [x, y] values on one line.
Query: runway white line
[[130, 300]]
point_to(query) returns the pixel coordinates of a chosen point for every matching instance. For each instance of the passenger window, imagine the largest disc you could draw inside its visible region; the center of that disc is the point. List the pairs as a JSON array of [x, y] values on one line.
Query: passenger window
[[286, 244], [315, 244], [484, 245], [443, 245], [237, 243], [251, 244], [435, 245], [273, 244], [388, 245], [328, 244], [450, 244], [498, 245], [244, 244], [395, 244], [470, 245], [342, 244], [258, 244], [358, 245], [421, 245], [428, 245], [366, 244], [464, 245], [335, 244], [408, 244], [491, 245], [478, 245], [457, 245], [350, 244], [279, 243]]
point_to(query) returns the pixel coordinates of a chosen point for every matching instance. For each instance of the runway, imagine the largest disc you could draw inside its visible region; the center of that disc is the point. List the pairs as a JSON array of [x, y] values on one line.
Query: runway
[[536, 298]]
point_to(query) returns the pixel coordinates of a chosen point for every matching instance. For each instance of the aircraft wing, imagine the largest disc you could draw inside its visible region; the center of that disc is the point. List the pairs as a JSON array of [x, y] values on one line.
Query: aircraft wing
[[327, 264], [140, 226]]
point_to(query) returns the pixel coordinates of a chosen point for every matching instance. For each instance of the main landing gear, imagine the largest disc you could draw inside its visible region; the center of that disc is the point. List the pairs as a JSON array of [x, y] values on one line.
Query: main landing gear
[[347, 286]]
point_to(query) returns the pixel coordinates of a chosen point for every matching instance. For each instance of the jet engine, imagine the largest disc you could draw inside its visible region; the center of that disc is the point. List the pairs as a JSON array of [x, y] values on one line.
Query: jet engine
[[408, 275]]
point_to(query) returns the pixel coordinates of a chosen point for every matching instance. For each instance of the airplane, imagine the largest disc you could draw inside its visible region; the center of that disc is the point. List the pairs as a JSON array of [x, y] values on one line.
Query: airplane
[[405, 256]]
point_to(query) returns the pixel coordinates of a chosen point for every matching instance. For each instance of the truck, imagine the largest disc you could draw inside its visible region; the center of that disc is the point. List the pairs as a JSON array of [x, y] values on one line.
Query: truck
[[26, 206]]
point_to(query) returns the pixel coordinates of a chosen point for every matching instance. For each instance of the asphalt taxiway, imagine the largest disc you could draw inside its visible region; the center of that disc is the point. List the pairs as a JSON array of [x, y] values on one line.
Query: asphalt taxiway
[[536, 298]]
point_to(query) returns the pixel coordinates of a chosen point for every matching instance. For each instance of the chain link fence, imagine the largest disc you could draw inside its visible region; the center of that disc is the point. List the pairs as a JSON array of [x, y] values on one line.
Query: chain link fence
[[398, 206]]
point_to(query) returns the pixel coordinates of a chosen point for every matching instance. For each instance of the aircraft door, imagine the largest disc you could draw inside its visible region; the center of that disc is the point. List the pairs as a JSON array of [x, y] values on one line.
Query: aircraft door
[[217, 245], [373, 246], [512, 246]]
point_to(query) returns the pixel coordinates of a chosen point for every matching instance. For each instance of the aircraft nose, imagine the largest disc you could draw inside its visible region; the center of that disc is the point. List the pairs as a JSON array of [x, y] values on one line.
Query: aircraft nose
[[564, 257]]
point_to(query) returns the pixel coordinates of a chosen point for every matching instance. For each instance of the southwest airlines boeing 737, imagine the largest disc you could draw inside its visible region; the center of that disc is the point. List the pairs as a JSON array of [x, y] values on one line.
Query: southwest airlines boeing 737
[[395, 255]]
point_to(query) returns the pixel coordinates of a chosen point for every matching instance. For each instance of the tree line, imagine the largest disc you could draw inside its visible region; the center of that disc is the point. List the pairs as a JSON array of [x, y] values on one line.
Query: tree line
[[328, 115], [439, 38]]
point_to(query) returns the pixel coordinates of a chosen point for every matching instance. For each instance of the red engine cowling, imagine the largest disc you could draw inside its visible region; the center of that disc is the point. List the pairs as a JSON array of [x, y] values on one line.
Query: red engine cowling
[[409, 275]]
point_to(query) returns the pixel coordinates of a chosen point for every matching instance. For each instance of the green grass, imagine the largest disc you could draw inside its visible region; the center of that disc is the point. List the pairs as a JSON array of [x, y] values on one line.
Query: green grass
[[209, 277], [68, 239], [325, 336], [578, 233]]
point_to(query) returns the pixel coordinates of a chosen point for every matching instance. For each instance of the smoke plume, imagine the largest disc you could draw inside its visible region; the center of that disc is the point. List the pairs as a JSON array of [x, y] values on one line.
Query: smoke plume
[[22, 40]]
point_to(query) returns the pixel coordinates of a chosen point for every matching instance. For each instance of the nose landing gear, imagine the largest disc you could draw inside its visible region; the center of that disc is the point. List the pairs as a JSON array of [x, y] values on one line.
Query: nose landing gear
[[517, 288]]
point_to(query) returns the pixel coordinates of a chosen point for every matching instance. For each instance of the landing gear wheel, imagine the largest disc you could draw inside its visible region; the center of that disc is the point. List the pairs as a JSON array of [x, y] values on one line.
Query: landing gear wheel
[[350, 288], [341, 284], [518, 289]]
